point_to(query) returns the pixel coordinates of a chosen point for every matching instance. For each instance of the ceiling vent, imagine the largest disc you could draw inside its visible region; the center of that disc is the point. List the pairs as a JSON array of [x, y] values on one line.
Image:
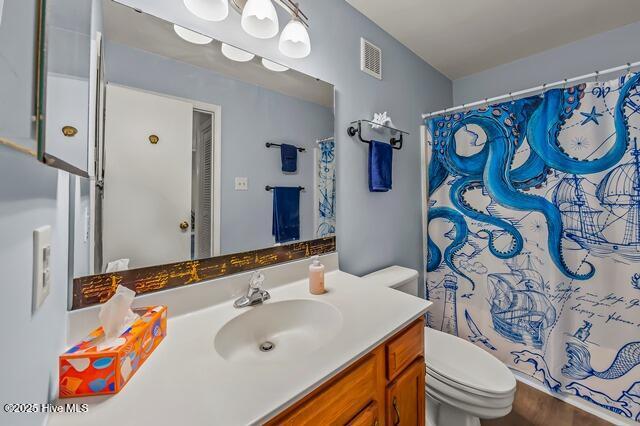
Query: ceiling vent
[[370, 59]]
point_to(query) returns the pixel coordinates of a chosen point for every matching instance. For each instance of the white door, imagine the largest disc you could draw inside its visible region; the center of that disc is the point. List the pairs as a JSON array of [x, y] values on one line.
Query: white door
[[147, 186]]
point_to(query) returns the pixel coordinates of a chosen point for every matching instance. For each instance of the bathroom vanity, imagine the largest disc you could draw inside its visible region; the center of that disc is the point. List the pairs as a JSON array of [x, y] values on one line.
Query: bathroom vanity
[[385, 386], [350, 356]]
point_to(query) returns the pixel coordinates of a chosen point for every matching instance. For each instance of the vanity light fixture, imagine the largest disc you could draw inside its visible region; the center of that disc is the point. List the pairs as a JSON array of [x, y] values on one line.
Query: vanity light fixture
[[294, 40], [209, 10], [259, 19], [191, 36], [236, 54], [273, 66]]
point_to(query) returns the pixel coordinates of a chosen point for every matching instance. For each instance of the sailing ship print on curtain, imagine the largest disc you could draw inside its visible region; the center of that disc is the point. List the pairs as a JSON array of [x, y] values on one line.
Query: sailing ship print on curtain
[[533, 243], [326, 191]]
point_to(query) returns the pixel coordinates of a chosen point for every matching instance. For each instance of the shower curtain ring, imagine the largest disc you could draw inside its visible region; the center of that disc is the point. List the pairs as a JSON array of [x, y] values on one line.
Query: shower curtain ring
[[544, 88], [511, 97], [628, 67], [597, 76], [564, 84]]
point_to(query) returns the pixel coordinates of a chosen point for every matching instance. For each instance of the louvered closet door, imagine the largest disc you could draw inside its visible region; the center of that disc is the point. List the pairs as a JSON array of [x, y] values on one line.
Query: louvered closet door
[[203, 131]]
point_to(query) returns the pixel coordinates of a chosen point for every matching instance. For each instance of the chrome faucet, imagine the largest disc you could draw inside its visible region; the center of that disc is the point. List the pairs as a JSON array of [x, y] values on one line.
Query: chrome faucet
[[256, 293]]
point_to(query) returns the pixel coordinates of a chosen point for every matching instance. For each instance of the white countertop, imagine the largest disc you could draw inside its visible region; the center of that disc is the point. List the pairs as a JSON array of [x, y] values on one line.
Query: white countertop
[[186, 382]]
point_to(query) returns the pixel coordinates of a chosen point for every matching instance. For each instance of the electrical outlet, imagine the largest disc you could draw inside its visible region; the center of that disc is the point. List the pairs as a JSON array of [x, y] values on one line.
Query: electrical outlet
[[41, 265], [242, 184]]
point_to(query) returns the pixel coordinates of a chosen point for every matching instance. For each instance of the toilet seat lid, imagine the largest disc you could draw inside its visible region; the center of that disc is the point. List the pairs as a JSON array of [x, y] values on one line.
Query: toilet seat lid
[[466, 364]]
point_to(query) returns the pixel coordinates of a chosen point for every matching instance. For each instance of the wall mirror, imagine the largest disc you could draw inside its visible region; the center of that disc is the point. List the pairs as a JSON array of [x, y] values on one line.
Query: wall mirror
[[188, 158]]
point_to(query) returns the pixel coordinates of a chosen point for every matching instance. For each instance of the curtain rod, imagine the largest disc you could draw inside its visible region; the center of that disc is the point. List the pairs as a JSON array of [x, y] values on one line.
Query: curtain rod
[[542, 88]]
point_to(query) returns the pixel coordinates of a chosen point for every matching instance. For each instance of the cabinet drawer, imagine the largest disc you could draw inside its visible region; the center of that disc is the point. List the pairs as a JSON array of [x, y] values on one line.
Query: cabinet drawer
[[404, 348], [367, 417], [337, 402]]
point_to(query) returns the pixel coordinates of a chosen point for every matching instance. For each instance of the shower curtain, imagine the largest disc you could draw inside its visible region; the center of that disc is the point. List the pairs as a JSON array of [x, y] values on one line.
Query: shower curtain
[[326, 191], [533, 243]]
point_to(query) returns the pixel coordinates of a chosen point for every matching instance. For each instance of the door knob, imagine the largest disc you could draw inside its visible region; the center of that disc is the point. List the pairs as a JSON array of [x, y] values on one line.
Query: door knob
[[184, 225]]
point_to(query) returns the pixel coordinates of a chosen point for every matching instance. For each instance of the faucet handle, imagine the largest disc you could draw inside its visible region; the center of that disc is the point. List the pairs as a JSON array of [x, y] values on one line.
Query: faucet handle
[[257, 278]]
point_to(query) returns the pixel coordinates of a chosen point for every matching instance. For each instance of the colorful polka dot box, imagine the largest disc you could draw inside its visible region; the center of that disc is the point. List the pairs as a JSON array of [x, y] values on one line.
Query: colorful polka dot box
[[98, 367]]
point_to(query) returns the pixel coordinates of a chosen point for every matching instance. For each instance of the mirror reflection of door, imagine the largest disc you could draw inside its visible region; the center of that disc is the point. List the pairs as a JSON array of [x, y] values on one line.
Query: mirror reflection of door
[[158, 180]]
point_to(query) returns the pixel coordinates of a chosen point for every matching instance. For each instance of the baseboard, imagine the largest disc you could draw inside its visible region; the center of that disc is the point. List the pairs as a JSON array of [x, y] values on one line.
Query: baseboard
[[576, 401]]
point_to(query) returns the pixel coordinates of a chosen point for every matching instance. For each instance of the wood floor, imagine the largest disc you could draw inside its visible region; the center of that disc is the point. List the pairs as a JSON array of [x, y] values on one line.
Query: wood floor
[[535, 408]]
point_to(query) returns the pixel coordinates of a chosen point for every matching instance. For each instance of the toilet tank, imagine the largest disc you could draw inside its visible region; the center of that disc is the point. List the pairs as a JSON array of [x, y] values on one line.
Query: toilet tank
[[397, 277]]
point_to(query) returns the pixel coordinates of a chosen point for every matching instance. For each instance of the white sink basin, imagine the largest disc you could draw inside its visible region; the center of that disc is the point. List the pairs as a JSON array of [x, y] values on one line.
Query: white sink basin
[[278, 331]]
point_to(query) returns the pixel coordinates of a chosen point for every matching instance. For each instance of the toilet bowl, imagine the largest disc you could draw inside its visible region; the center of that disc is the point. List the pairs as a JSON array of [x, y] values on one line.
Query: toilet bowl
[[464, 383]]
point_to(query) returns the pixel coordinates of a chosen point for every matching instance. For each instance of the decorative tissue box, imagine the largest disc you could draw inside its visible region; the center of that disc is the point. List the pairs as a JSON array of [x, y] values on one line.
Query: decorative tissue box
[[97, 367]]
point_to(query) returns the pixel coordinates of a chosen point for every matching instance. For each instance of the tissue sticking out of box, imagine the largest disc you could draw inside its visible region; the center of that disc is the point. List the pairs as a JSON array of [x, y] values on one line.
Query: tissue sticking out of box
[[116, 316]]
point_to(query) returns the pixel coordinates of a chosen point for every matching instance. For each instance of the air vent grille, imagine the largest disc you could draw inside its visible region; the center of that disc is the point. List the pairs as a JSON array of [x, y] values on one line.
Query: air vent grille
[[370, 59]]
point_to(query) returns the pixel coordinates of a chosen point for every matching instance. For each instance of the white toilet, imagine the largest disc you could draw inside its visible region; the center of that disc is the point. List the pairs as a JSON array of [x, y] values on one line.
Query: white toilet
[[464, 383]]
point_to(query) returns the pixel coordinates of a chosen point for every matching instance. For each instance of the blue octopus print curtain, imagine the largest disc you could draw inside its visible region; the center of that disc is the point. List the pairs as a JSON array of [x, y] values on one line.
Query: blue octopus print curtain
[[533, 244], [326, 213]]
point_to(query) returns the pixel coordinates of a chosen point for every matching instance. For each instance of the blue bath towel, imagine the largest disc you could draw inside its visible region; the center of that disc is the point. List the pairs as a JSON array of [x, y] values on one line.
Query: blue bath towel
[[380, 158], [286, 214], [289, 157]]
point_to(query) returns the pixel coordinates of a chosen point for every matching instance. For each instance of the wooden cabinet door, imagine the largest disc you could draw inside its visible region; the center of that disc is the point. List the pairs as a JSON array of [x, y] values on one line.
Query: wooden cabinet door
[[405, 397], [367, 417], [337, 402]]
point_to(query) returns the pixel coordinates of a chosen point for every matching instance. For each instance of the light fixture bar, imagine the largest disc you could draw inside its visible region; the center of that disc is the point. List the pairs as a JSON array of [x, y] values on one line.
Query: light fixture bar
[[287, 5]]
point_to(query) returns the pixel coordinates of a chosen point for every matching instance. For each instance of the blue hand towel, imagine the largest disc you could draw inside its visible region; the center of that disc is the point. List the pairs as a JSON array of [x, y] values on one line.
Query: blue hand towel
[[286, 214], [289, 157], [380, 158]]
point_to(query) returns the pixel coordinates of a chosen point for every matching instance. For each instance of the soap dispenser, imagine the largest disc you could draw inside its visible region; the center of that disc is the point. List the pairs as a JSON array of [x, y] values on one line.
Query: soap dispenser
[[316, 276]]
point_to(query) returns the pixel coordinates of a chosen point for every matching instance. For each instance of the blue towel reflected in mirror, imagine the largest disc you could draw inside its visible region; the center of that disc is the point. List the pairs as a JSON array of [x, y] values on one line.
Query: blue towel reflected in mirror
[[289, 157], [380, 159], [286, 214]]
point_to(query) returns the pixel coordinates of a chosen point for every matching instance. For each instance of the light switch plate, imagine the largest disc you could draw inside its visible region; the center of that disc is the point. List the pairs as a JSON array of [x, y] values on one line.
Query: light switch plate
[[41, 265], [242, 184]]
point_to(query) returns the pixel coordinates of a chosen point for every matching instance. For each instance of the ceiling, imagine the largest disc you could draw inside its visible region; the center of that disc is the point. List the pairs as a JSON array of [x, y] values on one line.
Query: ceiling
[[141, 31], [462, 37]]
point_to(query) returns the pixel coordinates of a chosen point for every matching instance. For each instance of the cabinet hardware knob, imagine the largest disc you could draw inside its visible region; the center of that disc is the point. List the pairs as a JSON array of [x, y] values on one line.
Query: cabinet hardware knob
[[154, 139], [184, 225], [396, 421]]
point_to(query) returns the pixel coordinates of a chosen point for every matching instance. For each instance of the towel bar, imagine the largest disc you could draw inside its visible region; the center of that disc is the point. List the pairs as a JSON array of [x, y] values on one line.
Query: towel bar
[[270, 144], [395, 143], [269, 188]]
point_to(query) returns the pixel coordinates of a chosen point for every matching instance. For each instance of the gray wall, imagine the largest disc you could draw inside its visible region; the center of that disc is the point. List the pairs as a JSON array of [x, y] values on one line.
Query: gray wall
[[31, 195], [374, 229], [251, 116], [602, 51]]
